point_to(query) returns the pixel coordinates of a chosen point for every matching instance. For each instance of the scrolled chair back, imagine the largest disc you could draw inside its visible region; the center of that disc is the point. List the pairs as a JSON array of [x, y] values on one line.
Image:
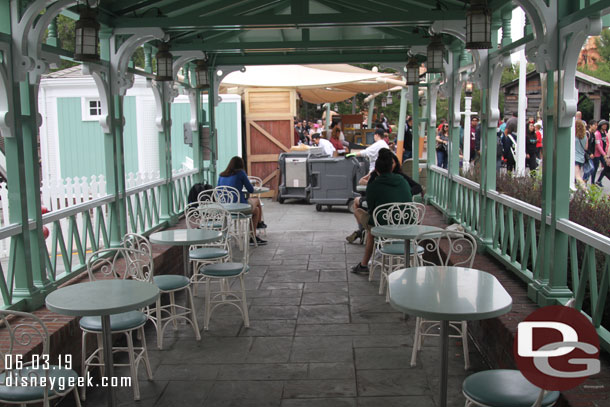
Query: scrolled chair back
[[205, 196], [399, 213], [23, 330], [121, 263], [226, 194], [138, 256], [213, 217], [255, 181], [446, 248]]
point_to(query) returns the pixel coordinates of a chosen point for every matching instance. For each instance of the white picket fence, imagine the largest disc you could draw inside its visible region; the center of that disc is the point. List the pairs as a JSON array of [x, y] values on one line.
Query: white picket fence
[[63, 193]]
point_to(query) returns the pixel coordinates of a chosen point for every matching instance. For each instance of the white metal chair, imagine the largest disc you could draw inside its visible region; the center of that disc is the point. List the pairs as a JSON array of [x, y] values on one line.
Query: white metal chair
[[391, 250], [446, 248], [258, 183], [170, 284], [226, 194], [503, 387], [225, 274], [206, 196], [118, 263], [209, 217], [18, 330]]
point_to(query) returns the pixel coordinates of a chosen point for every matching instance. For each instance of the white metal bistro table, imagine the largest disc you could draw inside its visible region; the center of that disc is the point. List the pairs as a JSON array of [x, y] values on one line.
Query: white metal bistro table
[[103, 298], [403, 232], [237, 207], [185, 238], [447, 294]]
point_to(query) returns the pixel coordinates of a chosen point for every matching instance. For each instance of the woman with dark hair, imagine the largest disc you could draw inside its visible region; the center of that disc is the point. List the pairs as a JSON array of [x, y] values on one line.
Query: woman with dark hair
[[442, 141], [235, 176], [335, 139]]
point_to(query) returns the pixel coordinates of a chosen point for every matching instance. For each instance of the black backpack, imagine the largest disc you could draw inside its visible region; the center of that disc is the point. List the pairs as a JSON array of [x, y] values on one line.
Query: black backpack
[[591, 142], [499, 145], [196, 190]]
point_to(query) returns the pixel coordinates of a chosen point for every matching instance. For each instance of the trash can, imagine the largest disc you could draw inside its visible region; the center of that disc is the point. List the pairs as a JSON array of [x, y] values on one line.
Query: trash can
[[294, 174], [333, 181]]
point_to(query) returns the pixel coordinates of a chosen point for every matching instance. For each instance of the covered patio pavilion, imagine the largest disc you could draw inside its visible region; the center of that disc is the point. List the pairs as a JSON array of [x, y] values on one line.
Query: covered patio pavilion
[[556, 258]]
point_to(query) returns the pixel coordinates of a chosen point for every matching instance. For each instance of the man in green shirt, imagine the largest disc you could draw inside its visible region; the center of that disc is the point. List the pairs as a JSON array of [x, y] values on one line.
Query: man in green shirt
[[387, 187]]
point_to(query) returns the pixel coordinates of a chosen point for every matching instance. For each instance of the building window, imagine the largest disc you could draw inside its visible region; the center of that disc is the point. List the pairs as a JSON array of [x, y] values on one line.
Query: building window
[[92, 109]]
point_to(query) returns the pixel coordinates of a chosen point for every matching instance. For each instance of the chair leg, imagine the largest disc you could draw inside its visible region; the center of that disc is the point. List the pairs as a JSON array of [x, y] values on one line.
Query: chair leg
[[465, 345], [159, 324], [206, 315], [132, 366], [172, 301], [415, 342], [83, 364], [193, 315], [244, 302], [149, 372], [100, 346], [76, 397]]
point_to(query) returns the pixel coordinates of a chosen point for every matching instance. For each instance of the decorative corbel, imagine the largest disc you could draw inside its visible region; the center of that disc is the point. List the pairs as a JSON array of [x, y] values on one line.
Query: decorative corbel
[[496, 67], [573, 37], [101, 76], [457, 29], [433, 89], [543, 18], [220, 73], [164, 92], [119, 58], [183, 58], [457, 90], [6, 95], [193, 94]]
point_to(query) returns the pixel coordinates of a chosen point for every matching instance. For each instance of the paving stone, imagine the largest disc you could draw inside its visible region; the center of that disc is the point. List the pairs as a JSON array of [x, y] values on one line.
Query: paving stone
[[319, 371], [319, 388], [324, 298], [280, 286], [269, 328], [314, 264], [186, 372], [404, 382], [329, 402], [245, 394], [323, 314], [273, 312], [291, 276], [407, 401], [376, 317], [325, 287], [180, 393], [331, 329], [326, 257], [277, 301], [270, 350], [322, 349], [382, 341], [401, 328], [383, 358], [263, 371], [210, 350], [369, 303], [333, 275]]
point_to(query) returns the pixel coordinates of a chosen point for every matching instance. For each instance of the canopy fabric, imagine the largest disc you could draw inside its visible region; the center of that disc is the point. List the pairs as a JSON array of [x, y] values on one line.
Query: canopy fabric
[[315, 83]]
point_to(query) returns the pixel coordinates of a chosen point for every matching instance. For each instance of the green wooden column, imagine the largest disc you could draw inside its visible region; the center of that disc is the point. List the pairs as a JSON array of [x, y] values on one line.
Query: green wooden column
[[165, 156], [454, 91], [402, 116], [212, 95], [369, 119], [113, 158], [197, 109], [416, 121], [488, 169]]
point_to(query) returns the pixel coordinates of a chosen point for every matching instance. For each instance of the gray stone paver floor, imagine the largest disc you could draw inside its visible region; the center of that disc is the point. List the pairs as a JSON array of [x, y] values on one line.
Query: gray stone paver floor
[[319, 335]]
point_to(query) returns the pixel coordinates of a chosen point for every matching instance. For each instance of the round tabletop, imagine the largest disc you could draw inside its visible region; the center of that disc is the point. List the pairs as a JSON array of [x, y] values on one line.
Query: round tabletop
[[448, 293], [237, 207], [102, 297], [185, 237], [402, 231]]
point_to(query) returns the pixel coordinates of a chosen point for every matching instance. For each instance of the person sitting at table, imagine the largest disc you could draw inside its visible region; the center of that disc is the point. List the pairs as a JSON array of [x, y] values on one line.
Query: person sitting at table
[[386, 188], [235, 176], [326, 145]]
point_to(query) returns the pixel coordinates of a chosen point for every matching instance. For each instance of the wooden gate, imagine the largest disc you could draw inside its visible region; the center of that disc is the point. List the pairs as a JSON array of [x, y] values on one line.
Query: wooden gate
[[269, 131]]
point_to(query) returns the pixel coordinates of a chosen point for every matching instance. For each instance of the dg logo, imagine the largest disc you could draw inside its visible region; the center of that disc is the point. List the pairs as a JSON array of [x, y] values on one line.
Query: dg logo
[[556, 348]]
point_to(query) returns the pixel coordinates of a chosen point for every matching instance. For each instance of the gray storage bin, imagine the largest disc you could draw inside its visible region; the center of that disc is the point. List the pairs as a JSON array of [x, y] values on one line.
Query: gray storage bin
[[334, 180]]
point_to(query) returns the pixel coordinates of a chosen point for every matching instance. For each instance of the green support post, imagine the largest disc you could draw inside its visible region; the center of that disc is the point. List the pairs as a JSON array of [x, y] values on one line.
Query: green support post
[[488, 170], [402, 117], [369, 119], [415, 143], [454, 132], [52, 38], [165, 158], [213, 136], [198, 119]]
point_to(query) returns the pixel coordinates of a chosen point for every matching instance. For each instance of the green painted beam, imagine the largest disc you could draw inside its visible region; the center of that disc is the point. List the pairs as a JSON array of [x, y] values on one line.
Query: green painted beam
[[310, 58], [601, 7], [290, 21], [301, 45]]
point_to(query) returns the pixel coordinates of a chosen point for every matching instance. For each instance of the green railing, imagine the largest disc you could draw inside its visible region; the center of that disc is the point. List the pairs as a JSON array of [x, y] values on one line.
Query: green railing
[[8, 267], [144, 207], [514, 240], [181, 185]]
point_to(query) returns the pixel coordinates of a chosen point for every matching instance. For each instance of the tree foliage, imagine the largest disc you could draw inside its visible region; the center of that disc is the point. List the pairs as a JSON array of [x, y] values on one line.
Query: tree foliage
[[603, 45]]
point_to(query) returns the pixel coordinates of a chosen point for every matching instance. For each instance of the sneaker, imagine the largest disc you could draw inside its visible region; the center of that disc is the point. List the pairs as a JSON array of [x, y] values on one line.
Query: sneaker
[[356, 235], [260, 241], [360, 269], [261, 225], [599, 184]]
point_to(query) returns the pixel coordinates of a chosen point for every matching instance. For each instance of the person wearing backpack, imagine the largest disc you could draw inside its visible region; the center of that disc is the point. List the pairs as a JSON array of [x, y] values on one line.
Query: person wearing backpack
[[601, 150], [530, 147], [590, 168]]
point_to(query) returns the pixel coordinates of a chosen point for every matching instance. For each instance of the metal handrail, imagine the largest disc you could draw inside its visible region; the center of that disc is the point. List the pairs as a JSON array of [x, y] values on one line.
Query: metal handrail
[[10, 230], [527, 209], [75, 209], [585, 235]]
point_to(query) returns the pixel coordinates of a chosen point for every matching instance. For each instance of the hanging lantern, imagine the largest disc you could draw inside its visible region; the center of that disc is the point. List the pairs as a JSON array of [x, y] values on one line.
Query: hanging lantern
[[436, 51], [201, 75], [384, 102], [165, 61], [468, 89], [412, 71], [389, 101], [478, 25], [318, 107], [86, 37], [336, 108]]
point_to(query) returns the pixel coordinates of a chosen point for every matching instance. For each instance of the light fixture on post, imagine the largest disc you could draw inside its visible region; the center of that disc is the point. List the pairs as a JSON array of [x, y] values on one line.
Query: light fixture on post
[[201, 75], [468, 89], [165, 62], [86, 36], [412, 71], [389, 101], [384, 102], [435, 55], [478, 25], [336, 109]]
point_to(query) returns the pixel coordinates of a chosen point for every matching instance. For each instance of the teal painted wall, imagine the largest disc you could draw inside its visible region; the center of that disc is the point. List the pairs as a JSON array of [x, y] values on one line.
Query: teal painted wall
[[226, 125], [181, 113], [81, 143]]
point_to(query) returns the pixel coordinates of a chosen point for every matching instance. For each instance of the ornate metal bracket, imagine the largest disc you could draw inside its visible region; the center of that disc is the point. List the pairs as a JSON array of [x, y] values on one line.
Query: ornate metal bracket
[[433, 89], [183, 58], [164, 92], [543, 18], [6, 95], [496, 67], [220, 73], [100, 75], [572, 39], [457, 29], [119, 58]]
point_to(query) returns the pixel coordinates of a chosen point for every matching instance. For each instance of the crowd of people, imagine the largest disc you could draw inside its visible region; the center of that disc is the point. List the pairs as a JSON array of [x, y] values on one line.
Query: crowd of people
[[592, 150]]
